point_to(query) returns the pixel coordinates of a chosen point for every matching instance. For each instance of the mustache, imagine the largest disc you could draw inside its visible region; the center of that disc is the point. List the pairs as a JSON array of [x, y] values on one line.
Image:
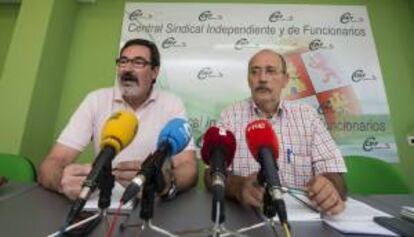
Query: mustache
[[259, 88], [129, 76]]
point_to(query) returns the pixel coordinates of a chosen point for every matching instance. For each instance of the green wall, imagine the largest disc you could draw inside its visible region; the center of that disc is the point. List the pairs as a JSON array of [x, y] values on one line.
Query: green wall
[[32, 76], [79, 42], [8, 16], [91, 62]]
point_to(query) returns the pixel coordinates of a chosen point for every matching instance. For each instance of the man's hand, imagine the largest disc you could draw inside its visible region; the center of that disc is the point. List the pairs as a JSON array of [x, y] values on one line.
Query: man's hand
[[125, 171], [251, 193], [72, 178], [324, 195]]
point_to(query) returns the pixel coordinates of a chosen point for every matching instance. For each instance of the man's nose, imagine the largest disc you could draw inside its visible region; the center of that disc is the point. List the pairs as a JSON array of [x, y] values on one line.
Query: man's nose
[[263, 76], [127, 68]]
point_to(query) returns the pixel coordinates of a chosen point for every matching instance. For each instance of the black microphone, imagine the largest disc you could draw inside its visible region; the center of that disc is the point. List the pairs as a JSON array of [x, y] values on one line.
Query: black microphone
[[173, 138], [218, 151], [263, 145], [117, 133]]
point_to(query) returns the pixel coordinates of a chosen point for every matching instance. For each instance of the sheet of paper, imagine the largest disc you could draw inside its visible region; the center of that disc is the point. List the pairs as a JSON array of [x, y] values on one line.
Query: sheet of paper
[[357, 218], [117, 191], [359, 227], [407, 212], [357, 211], [298, 211]]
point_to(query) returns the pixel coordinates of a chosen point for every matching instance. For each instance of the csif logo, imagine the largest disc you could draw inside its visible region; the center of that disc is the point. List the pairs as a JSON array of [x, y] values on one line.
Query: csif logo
[[208, 72], [318, 44], [347, 17], [208, 15], [360, 75], [172, 42], [139, 14], [278, 16], [371, 143], [244, 43]]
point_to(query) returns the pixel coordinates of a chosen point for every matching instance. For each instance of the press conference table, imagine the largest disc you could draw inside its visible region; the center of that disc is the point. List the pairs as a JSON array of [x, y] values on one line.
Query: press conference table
[[30, 210]]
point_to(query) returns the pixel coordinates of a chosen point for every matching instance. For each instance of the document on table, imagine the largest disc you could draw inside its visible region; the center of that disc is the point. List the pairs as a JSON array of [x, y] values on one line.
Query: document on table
[[297, 210], [357, 218], [407, 212], [117, 191]]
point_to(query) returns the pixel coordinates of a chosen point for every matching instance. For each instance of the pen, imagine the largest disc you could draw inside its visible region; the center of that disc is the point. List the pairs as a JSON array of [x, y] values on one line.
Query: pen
[[301, 192], [289, 153], [294, 191]]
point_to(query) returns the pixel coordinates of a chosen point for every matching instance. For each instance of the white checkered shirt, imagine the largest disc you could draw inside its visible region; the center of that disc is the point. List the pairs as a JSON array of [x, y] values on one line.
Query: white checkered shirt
[[305, 146]]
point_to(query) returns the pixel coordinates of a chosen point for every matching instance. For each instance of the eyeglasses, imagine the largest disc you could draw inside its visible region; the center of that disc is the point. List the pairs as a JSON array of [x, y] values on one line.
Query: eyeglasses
[[137, 62], [270, 71]]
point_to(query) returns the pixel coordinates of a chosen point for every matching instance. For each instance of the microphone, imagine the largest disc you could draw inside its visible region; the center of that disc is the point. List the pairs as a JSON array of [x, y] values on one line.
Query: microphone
[[217, 151], [117, 133], [173, 138], [263, 145]]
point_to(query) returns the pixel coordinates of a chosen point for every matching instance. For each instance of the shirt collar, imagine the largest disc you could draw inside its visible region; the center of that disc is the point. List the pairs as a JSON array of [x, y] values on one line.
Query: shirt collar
[[254, 109], [119, 99]]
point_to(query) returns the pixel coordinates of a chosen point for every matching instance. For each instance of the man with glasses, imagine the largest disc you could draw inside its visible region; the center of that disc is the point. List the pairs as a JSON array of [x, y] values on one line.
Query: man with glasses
[[308, 157], [137, 69]]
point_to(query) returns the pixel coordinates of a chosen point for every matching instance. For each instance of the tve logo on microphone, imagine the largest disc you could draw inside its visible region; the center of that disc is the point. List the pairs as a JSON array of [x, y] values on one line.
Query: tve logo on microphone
[[260, 125]]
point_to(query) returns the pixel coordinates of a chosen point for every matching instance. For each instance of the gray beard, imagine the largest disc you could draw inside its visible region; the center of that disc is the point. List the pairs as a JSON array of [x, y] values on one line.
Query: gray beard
[[129, 91]]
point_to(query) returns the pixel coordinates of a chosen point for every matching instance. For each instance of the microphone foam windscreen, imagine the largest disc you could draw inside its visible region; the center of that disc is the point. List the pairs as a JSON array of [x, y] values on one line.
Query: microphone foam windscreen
[[218, 137], [119, 130], [177, 133], [259, 134]]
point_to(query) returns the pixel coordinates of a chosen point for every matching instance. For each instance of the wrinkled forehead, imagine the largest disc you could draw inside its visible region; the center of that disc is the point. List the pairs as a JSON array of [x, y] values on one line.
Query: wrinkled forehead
[[266, 58]]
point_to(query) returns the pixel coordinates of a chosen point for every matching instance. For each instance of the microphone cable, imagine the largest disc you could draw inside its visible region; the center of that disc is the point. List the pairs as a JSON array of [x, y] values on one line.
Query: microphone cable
[[75, 225], [115, 218], [286, 229]]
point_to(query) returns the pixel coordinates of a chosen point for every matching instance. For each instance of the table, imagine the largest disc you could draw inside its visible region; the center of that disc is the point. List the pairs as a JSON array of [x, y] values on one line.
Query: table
[[30, 210]]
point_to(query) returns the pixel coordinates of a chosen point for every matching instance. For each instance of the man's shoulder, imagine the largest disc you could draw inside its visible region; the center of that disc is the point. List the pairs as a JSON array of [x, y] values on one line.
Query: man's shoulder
[[167, 96], [100, 97], [240, 105]]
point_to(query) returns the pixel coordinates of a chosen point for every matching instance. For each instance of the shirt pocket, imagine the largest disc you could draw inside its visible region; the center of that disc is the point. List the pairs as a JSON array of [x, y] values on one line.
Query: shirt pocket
[[295, 167]]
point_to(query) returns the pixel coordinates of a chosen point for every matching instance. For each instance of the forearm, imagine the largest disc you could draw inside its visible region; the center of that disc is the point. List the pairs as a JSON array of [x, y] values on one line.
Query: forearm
[[50, 174], [185, 175], [337, 179], [51, 168]]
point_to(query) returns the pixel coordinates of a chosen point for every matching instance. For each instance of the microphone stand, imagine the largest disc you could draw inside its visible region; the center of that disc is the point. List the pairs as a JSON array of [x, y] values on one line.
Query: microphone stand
[[106, 184], [270, 207], [147, 207], [218, 218], [218, 215], [269, 210]]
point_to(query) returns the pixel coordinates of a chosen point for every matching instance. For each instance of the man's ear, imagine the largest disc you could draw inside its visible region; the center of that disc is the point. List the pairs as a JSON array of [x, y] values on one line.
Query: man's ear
[[155, 71], [286, 80]]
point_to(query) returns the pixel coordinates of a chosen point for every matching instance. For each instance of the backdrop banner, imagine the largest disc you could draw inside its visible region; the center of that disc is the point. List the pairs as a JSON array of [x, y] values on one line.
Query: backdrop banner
[[330, 51]]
